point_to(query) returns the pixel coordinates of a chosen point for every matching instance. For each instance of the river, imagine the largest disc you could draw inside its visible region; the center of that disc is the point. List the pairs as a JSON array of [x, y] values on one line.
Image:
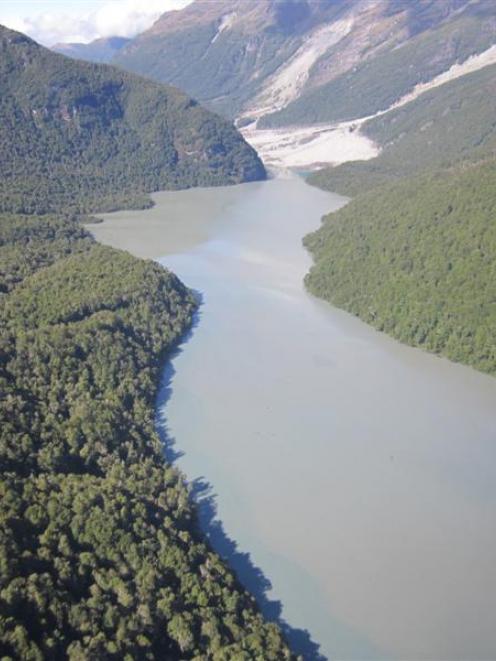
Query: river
[[349, 479]]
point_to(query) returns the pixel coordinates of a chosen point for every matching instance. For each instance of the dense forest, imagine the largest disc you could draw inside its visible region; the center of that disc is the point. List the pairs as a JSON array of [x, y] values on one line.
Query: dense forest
[[76, 135], [416, 260], [100, 550], [413, 252]]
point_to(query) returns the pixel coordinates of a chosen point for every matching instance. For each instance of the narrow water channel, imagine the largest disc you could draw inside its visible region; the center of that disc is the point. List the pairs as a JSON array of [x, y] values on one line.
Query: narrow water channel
[[351, 480]]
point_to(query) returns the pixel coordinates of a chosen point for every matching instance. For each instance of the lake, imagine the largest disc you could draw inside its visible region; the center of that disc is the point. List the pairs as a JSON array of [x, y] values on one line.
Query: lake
[[350, 480]]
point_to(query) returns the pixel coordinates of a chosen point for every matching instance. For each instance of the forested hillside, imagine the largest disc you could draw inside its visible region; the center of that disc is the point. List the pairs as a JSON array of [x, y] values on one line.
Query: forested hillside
[[75, 135], [413, 252], [100, 551], [416, 259]]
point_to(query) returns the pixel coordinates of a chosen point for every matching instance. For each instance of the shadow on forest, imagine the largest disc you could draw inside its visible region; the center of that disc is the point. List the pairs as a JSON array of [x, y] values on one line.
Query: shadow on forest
[[249, 575]]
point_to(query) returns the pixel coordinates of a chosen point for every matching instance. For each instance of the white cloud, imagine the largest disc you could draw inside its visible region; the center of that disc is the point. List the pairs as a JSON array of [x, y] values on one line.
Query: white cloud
[[122, 18]]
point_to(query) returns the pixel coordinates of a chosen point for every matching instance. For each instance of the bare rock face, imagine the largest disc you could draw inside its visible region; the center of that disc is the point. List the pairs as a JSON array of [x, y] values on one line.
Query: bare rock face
[[304, 61]]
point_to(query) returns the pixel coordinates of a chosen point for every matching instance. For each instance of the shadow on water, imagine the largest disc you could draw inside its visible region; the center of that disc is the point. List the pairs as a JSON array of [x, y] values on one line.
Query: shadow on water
[[249, 575]]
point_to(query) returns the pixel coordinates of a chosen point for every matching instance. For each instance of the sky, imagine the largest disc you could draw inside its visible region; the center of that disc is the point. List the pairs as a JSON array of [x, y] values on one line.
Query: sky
[[53, 21]]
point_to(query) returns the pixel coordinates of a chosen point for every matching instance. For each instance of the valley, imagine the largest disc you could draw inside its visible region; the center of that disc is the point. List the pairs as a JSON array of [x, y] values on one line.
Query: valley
[[248, 333]]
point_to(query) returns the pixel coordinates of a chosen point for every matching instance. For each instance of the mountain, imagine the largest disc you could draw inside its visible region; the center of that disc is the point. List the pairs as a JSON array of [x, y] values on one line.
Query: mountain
[[100, 50], [222, 52], [424, 39], [81, 136], [302, 61]]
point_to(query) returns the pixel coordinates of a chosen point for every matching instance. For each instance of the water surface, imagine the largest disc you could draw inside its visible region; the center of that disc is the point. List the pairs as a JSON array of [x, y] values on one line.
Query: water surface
[[358, 474]]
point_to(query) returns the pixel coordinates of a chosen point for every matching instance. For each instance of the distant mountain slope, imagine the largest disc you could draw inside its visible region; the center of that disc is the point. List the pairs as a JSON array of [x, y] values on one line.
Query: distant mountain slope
[[99, 50], [76, 136], [221, 52], [301, 61], [382, 77]]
